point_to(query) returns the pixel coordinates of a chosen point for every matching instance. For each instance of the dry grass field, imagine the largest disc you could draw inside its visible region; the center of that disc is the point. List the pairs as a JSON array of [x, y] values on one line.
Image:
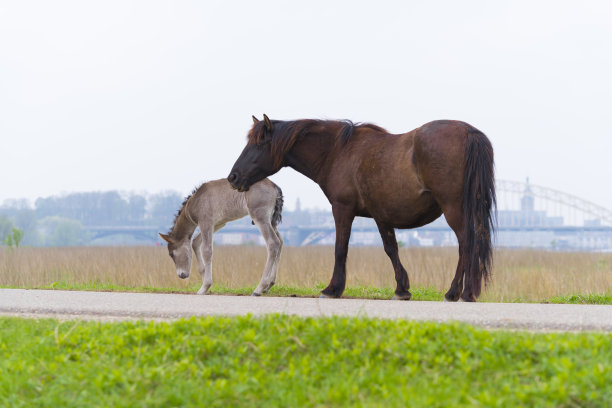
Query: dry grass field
[[517, 274]]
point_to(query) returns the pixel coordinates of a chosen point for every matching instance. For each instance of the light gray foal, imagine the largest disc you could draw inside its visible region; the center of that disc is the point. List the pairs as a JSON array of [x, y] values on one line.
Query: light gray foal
[[210, 207]]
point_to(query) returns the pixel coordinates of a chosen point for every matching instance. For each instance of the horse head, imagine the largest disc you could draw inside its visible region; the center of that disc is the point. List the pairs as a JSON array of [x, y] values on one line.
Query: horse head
[[257, 160]]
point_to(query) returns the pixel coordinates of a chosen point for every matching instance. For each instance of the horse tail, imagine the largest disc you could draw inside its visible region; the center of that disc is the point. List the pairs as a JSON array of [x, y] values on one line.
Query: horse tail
[[277, 216], [479, 209]]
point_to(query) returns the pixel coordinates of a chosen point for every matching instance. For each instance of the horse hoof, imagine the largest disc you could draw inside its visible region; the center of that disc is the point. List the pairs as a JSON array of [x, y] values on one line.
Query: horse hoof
[[256, 294], [406, 297]]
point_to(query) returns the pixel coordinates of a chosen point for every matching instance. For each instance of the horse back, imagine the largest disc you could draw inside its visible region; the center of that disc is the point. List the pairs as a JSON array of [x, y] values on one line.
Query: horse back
[[377, 172], [218, 203], [404, 180]]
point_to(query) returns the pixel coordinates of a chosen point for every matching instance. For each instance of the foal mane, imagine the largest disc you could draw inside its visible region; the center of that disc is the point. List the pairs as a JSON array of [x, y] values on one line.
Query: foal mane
[[284, 134], [183, 205]]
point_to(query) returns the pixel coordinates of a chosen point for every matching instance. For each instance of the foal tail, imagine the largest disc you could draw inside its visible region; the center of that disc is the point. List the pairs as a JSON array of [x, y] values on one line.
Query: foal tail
[[277, 216], [478, 209]]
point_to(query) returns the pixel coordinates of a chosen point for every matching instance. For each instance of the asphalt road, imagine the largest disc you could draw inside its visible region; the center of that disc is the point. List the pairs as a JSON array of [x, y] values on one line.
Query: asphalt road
[[120, 306]]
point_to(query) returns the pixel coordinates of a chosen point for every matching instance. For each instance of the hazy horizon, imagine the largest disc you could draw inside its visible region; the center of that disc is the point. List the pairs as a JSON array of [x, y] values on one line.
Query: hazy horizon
[[156, 96]]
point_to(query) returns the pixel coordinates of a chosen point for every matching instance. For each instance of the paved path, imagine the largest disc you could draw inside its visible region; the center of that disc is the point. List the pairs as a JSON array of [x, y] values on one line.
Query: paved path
[[118, 306]]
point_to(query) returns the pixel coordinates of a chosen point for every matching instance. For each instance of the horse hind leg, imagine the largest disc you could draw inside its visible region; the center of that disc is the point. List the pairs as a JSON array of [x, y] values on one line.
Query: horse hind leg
[[274, 245], [454, 218], [402, 291]]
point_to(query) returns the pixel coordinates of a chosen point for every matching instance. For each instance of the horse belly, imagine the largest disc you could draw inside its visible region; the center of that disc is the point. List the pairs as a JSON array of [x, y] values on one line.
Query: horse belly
[[405, 209], [391, 191]]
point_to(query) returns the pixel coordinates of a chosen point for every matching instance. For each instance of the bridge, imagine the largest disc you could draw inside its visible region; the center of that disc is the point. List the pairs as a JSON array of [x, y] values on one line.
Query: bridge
[[523, 208]]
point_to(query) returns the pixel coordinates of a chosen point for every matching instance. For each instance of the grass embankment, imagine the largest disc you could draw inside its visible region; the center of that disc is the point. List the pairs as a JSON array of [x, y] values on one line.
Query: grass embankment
[[525, 276], [282, 361], [358, 292]]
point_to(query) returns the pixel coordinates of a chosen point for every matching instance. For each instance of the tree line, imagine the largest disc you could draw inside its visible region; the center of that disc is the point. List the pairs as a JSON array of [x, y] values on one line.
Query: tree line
[[59, 220]]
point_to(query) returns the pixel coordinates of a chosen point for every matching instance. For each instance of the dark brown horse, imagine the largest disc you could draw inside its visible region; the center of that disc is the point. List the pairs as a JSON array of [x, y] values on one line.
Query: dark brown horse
[[401, 181]]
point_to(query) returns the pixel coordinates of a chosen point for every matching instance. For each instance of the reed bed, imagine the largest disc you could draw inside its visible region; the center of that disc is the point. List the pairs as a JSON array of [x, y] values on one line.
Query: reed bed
[[525, 275]]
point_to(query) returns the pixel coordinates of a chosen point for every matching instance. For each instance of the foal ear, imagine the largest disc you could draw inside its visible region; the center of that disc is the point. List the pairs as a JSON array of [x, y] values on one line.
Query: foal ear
[[164, 237], [268, 123], [255, 120]]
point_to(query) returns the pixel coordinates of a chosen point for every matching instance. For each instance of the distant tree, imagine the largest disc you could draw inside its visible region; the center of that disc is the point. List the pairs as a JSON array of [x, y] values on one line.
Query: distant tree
[[14, 238], [163, 208], [90, 208], [59, 231], [6, 227], [15, 204], [136, 209], [23, 218]]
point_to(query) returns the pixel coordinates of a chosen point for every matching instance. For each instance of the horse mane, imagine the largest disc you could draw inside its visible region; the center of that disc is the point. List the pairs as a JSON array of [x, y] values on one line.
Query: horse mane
[[180, 210], [285, 133]]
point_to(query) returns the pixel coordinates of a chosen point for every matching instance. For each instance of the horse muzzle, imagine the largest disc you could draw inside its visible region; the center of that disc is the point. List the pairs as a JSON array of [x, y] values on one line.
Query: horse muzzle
[[236, 183]]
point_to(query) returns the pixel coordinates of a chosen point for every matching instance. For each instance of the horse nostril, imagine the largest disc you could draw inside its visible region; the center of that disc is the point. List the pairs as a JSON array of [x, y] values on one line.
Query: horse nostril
[[232, 177]]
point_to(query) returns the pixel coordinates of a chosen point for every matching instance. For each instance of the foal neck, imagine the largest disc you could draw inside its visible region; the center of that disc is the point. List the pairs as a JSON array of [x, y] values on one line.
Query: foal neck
[[185, 225]]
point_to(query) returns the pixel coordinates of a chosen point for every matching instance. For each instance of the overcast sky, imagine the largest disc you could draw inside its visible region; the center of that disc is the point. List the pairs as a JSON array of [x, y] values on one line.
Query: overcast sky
[[153, 96]]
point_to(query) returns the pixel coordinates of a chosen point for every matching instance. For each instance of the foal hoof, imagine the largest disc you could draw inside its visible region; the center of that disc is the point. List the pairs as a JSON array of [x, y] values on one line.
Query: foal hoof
[[256, 294], [402, 297]]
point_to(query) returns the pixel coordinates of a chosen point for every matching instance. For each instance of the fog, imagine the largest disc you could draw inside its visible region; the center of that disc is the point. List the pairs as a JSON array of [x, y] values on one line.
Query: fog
[[155, 96]]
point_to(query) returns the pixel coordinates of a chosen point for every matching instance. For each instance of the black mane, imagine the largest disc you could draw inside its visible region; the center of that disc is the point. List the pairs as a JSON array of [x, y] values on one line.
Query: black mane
[[285, 133]]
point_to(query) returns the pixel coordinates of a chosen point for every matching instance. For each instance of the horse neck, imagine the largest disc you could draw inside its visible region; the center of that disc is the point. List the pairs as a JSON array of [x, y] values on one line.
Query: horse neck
[[312, 155]]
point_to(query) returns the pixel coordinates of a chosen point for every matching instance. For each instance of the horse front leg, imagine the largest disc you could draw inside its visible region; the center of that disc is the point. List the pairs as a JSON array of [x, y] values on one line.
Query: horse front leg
[[387, 234], [202, 246], [343, 218]]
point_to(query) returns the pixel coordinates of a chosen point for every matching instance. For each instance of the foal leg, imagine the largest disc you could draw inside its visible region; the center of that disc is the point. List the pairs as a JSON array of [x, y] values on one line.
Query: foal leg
[[277, 260], [274, 244], [401, 276], [343, 218], [202, 246]]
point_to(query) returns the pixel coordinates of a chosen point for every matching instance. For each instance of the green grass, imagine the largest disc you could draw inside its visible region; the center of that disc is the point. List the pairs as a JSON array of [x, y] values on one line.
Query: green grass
[[282, 361], [592, 299], [359, 292]]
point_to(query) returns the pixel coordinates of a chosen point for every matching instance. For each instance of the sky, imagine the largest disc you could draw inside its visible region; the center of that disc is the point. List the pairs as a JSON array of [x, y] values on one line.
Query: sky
[[150, 96]]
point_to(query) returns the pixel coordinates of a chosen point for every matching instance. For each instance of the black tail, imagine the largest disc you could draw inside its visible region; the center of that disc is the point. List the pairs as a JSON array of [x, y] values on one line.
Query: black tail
[[277, 216], [479, 209]]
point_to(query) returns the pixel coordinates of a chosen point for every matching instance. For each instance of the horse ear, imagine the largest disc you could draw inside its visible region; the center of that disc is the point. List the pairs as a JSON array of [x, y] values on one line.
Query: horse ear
[[268, 123], [255, 120], [165, 237]]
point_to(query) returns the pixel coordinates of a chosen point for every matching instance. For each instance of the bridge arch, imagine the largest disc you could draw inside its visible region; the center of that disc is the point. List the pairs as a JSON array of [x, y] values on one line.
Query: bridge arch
[[584, 212]]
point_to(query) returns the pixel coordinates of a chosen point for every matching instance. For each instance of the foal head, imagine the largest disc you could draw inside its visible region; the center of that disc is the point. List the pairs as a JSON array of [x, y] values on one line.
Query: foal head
[[180, 252], [259, 159]]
